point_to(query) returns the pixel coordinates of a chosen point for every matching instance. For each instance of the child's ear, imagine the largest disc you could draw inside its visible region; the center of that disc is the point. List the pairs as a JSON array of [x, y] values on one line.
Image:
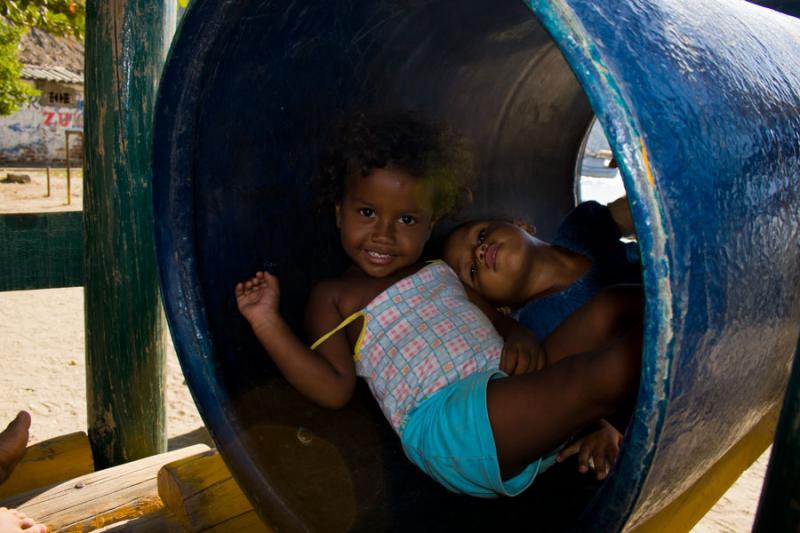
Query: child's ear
[[338, 214], [531, 229]]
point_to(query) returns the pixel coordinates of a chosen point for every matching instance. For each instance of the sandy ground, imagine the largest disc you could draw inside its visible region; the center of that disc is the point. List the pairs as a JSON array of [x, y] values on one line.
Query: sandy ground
[[43, 370]]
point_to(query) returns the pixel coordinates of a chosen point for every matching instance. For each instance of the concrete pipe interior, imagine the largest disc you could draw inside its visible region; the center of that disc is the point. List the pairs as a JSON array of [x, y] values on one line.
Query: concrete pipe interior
[[248, 96]]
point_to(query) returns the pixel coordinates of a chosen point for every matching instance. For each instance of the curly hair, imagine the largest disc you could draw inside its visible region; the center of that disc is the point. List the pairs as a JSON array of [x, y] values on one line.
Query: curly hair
[[365, 142]]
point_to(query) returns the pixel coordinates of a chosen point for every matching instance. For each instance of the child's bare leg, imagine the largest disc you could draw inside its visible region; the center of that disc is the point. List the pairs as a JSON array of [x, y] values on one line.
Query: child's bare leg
[[612, 313], [531, 414], [12, 520], [13, 442]]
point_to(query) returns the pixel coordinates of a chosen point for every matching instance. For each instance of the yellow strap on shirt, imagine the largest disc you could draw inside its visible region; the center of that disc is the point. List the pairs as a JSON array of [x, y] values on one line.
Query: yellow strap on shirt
[[343, 324]]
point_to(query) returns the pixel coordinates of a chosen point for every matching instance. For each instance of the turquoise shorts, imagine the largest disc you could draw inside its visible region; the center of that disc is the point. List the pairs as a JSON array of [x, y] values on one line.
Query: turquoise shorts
[[449, 437]]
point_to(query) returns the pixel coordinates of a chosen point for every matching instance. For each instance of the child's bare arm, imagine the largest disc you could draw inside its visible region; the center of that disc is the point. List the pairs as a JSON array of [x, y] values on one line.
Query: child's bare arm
[[522, 351], [327, 377], [613, 312]]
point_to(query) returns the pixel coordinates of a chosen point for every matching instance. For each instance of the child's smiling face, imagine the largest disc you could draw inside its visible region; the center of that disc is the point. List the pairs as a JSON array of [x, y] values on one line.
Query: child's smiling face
[[384, 219], [492, 257]]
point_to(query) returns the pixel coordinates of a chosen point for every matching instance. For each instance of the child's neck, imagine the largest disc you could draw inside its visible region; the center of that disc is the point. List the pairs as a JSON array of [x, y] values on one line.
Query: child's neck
[[556, 269]]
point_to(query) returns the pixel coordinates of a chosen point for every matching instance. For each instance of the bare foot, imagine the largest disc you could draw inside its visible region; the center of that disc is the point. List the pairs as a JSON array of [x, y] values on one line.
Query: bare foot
[[12, 521], [13, 441]]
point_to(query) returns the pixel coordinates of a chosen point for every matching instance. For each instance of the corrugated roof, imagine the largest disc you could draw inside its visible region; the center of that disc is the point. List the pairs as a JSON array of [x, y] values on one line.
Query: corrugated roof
[[60, 74], [40, 48]]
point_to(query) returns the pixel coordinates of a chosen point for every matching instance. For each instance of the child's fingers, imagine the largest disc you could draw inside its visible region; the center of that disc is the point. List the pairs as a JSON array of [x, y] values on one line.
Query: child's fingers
[[609, 463], [585, 459], [540, 360], [267, 276], [505, 355], [523, 362], [568, 452], [601, 469], [270, 281]]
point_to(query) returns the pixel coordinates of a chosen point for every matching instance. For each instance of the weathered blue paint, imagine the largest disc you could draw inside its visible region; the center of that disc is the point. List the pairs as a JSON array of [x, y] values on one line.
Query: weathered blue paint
[[701, 117], [718, 117]]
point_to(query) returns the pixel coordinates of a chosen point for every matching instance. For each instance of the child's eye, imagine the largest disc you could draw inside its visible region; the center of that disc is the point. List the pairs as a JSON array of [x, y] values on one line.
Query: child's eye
[[481, 235], [408, 219], [366, 212]]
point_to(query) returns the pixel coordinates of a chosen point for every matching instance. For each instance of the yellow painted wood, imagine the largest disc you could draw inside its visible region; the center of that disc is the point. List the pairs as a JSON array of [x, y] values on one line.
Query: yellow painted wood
[[688, 508], [248, 521], [105, 497], [203, 496], [159, 521], [49, 462]]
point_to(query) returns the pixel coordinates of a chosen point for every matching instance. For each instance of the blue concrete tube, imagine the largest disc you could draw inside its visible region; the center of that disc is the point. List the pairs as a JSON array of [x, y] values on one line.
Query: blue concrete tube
[[700, 103]]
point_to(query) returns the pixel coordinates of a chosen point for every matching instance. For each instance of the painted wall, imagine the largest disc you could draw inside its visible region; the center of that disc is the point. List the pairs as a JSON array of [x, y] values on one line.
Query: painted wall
[[36, 133]]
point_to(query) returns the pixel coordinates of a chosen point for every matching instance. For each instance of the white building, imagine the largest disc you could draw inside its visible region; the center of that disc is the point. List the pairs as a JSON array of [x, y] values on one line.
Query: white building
[[36, 134]]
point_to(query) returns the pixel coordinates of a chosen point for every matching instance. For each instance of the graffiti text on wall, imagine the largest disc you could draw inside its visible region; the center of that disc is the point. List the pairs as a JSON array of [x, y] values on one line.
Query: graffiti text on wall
[[60, 117], [64, 120]]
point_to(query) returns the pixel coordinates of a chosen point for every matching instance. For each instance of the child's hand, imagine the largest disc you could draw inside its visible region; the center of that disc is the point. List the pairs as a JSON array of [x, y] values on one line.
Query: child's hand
[[258, 297], [522, 353], [597, 450], [621, 213]]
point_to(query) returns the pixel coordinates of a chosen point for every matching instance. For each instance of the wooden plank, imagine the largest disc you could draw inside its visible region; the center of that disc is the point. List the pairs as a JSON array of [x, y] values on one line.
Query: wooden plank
[[200, 492], [41, 250], [105, 497], [50, 461], [160, 521]]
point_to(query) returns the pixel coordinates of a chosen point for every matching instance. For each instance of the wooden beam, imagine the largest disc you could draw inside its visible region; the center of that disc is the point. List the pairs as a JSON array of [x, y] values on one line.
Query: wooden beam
[[41, 250], [105, 497], [200, 492], [50, 461], [160, 521]]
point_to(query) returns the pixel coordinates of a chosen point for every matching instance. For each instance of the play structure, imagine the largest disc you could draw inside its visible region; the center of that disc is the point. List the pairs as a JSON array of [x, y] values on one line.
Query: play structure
[[702, 119]]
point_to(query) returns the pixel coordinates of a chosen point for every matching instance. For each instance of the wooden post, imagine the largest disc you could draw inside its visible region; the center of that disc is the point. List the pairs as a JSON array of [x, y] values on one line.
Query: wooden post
[[66, 148], [48, 182], [126, 44]]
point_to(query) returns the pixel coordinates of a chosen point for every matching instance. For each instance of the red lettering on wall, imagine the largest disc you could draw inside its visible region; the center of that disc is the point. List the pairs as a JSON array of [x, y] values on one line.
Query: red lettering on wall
[[64, 119], [48, 118]]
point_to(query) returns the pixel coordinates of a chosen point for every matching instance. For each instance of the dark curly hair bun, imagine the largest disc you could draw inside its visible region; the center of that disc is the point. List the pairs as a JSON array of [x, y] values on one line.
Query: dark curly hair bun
[[366, 141]]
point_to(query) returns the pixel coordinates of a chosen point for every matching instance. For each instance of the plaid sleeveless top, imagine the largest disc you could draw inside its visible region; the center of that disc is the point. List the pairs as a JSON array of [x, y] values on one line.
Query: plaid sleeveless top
[[419, 335]]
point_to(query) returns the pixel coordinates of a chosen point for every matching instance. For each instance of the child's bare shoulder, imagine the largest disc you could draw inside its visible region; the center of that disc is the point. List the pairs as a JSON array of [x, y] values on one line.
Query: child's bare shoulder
[[326, 293], [339, 293], [346, 294]]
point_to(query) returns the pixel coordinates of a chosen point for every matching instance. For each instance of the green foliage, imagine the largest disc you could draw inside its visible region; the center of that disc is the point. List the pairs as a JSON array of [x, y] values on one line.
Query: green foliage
[[58, 17], [13, 92]]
